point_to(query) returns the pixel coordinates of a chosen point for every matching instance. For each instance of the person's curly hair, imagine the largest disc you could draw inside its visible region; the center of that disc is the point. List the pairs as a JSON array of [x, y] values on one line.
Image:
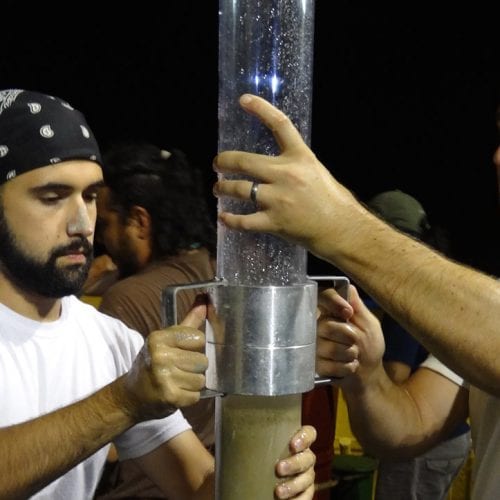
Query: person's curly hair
[[169, 187]]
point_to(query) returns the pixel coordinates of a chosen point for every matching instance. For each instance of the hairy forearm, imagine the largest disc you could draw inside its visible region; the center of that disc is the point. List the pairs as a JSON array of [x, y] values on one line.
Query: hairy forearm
[[36, 452], [452, 310]]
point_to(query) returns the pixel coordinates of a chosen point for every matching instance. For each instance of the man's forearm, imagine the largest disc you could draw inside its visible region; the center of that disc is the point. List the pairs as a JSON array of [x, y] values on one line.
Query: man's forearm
[[452, 310], [36, 452]]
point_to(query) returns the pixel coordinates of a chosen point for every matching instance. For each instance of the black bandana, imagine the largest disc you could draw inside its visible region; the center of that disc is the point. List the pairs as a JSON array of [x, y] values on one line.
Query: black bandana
[[38, 130]]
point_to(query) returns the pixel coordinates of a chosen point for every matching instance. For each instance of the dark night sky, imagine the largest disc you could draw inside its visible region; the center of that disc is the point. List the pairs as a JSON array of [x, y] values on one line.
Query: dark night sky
[[402, 98]]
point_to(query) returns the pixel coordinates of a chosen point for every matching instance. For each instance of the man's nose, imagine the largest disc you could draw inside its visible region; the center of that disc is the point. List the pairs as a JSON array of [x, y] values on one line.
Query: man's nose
[[80, 223]]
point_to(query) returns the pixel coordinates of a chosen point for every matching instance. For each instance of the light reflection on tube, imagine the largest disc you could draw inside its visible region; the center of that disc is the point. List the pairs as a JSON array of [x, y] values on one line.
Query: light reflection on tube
[[265, 48]]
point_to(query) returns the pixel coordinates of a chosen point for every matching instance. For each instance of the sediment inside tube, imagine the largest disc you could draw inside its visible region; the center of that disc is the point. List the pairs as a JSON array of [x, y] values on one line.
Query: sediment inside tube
[[253, 434]]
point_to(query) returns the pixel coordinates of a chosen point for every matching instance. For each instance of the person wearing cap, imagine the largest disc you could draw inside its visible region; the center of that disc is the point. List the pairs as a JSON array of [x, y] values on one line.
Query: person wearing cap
[[431, 474], [453, 310], [72, 379]]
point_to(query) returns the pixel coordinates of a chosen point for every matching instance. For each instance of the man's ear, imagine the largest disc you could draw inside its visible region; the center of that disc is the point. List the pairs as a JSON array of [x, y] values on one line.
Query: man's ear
[[140, 220]]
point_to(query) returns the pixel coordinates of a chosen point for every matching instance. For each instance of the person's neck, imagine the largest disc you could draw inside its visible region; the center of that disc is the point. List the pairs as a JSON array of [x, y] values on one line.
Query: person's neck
[[28, 304]]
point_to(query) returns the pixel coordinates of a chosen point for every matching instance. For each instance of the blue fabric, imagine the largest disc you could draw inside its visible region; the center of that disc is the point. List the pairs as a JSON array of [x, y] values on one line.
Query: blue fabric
[[400, 345]]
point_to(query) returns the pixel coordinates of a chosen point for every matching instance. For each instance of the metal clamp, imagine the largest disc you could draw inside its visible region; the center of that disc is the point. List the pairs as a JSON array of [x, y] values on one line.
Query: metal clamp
[[169, 313], [341, 285], [169, 298]]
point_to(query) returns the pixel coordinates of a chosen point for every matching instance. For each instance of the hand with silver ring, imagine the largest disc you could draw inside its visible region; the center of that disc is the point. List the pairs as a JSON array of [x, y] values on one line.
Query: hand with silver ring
[[253, 193]]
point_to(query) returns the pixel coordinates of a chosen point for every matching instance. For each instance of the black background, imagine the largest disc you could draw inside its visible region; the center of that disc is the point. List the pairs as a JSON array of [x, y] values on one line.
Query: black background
[[403, 97]]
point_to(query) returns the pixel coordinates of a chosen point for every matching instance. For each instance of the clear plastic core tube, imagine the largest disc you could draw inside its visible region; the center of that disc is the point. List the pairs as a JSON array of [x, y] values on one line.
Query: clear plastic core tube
[[265, 48]]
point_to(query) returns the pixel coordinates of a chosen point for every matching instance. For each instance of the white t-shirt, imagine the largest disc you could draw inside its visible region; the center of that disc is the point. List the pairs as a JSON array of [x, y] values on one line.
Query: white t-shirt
[[484, 412], [45, 366]]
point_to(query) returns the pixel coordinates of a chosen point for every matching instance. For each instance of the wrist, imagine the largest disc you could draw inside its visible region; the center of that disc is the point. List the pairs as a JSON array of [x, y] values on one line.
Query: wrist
[[366, 383], [121, 399]]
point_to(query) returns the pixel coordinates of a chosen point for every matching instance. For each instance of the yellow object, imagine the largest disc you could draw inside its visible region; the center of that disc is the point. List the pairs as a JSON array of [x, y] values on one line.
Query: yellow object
[[345, 443], [93, 300], [461, 487]]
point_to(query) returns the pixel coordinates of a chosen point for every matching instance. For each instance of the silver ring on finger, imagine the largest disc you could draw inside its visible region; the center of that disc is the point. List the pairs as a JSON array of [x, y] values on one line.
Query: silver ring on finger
[[253, 193]]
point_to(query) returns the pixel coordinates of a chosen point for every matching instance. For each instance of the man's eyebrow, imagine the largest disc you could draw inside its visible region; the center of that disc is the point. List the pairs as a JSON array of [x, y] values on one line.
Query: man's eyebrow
[[96, 185], [56, 186]]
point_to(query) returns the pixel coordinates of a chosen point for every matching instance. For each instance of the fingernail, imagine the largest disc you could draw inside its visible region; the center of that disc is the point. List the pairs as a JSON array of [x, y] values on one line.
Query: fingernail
[[283, 468], [299, 443], [346, 312], [283, 491]]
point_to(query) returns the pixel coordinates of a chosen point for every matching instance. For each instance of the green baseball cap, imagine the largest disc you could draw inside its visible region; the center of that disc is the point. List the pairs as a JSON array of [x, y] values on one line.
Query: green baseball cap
[[401, 210]]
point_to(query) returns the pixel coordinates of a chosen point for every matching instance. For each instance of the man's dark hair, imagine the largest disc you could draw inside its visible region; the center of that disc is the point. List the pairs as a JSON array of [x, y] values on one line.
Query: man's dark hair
[[169, 187]]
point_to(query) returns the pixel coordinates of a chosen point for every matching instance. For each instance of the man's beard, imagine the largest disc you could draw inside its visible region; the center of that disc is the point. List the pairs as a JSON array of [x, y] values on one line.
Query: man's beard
[[43, 278], [126, 259]]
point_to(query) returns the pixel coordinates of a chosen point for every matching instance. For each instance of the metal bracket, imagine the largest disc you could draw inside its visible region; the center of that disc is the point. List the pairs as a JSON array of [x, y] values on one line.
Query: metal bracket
[[169, 298], [169, 313], [341, 284]]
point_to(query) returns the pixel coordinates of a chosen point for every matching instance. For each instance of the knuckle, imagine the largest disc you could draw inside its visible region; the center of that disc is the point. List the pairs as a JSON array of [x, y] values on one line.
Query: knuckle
[[153, 339], [160, 357]]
